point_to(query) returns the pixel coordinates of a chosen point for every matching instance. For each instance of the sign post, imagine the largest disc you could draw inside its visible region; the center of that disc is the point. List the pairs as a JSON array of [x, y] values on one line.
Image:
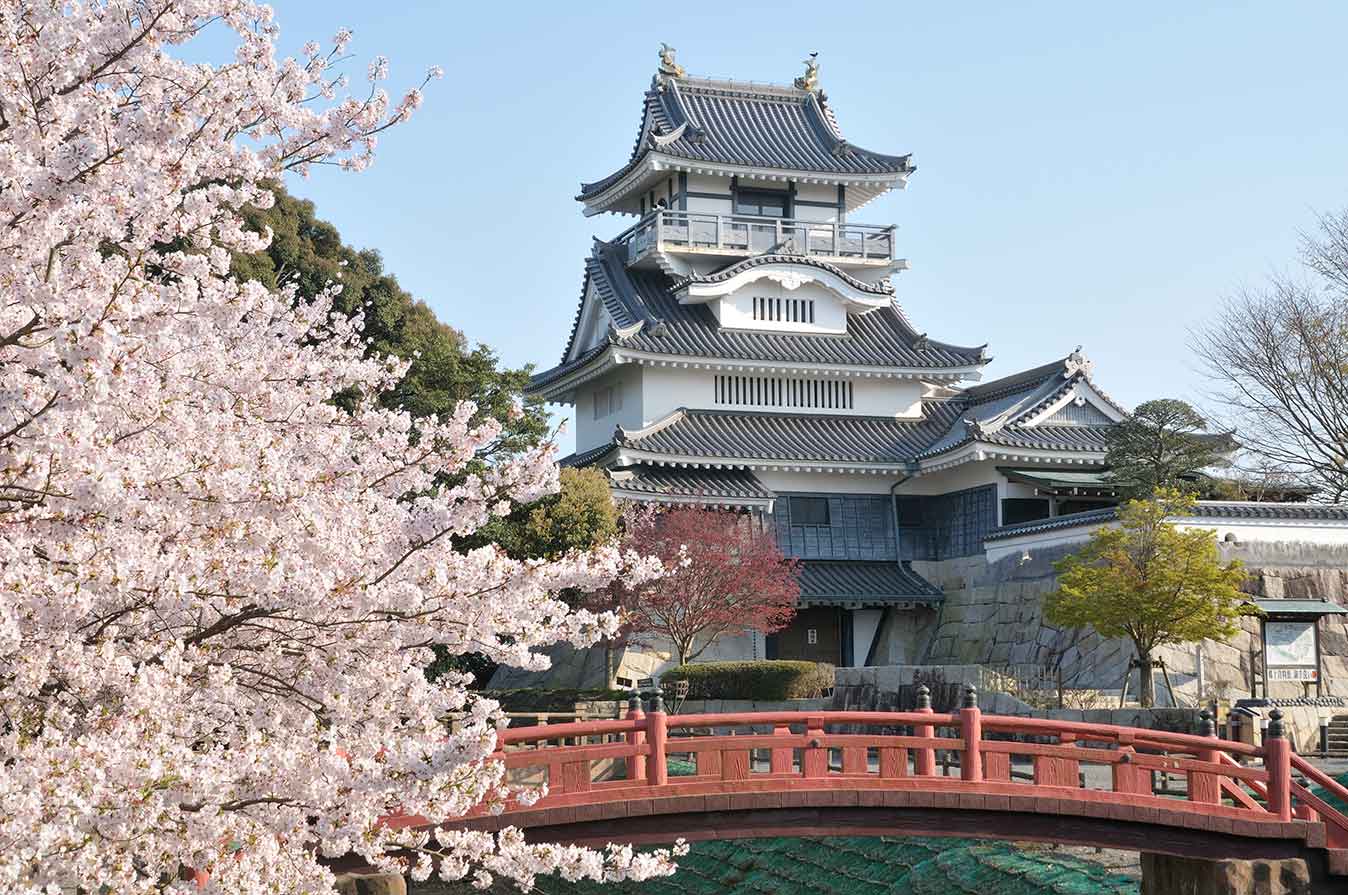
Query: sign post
[[1292, 651]]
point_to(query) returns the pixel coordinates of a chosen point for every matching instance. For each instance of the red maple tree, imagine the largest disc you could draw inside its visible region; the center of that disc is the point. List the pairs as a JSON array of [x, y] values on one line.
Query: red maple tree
[[725, 576]]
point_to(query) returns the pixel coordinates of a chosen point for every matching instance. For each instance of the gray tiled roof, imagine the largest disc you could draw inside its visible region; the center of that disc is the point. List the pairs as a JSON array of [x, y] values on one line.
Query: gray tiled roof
[[791, 437], [1055, 523], [1223, 509], [994, 412], [828, 582], [754, 125], [884, 287], [1070, 438], [585, 458], [1203, 509], [657, 481], [881, 338]]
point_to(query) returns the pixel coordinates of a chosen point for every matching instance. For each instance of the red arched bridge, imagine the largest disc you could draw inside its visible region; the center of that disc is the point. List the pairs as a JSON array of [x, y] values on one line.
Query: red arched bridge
[[919, 773]]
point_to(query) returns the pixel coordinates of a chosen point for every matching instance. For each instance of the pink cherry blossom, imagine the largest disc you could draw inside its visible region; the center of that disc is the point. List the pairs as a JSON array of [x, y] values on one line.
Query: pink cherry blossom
[[216, 595]]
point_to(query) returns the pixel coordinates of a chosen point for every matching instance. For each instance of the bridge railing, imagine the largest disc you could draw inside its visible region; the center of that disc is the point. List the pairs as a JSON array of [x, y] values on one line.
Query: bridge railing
[[860, 750]]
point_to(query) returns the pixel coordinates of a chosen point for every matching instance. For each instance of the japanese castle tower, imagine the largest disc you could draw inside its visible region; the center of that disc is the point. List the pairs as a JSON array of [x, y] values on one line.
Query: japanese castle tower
[[740, 346]]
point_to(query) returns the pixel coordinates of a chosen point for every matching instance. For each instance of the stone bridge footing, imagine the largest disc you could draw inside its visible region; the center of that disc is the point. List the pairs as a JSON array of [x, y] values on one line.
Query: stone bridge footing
[[1170, 875]]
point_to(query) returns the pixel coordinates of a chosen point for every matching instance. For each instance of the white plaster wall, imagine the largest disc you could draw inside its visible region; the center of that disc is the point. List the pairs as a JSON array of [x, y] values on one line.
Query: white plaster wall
[[591, 432], [709, 206], [665, 389], [816, 192], [736, 311], [966, 475], [824, 482], [1270, 531], [1018, 547], [706, 183], [865, 625], [1267, 531]]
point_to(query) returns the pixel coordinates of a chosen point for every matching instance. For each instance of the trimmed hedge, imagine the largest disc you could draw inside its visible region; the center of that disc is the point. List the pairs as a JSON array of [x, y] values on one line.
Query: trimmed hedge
[[764, 681]]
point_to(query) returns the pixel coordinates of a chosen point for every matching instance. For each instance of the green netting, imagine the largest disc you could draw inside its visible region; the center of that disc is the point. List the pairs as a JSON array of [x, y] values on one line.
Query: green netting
[[855, 866], [1332, 799]]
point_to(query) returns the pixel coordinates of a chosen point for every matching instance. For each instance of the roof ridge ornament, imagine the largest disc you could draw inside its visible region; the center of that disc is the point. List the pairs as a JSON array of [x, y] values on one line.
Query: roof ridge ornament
[[1076, 362], [668, 66], [809, 81]]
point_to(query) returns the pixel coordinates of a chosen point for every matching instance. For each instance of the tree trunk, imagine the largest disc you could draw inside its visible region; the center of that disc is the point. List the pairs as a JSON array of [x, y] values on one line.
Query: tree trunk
[[1146, 690]]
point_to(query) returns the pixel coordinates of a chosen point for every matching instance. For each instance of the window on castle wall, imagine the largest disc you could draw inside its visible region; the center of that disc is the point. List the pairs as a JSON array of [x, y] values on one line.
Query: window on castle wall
[[772, 309], [607, 400], [761, 203], [1023, 509], [783, 391], [809, 510]]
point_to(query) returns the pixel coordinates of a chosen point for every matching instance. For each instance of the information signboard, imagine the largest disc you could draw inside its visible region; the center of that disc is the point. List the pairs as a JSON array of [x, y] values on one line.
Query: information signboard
[[1290, 652]]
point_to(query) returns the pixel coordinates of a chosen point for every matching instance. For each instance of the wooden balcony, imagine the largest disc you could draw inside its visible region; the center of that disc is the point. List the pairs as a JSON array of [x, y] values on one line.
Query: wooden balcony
[[742, 236]]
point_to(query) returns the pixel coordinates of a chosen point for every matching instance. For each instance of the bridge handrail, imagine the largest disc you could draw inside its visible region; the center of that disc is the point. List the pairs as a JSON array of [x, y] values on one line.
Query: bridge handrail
[[1333, 819], [514, 735], [772, 719], [1136, 736], [793, 751]]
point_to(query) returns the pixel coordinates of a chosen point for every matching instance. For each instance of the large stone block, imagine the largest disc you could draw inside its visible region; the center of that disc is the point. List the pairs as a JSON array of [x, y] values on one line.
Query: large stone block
[[371, 884], [1168, 875]]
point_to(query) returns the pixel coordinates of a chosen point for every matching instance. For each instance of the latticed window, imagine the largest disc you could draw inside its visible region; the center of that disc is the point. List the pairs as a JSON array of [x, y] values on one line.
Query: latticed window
[[783, 310], [783, 391]]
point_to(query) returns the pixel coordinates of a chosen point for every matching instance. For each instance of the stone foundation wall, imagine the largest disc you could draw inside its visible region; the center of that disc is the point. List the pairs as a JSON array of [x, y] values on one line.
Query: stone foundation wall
[[993, 615]]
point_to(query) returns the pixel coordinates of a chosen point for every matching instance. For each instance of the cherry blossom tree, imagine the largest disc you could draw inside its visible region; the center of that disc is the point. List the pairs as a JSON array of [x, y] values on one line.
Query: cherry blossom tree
[[726, 576], [218, 586]]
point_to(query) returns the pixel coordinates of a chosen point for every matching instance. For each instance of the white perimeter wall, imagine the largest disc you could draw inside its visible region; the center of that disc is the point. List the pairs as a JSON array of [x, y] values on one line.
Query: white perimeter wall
[[1254, 531]]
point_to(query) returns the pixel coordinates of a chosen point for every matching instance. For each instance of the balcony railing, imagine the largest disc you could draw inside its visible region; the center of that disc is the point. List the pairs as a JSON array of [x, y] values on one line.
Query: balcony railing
[[727, 234]]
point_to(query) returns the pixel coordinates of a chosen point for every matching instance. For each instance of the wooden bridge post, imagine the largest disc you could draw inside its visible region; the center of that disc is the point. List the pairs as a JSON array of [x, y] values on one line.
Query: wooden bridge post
[[1278, 764], [782, 759], [814, 758], [657, 731], [924, 759], [1206, 788], [636, 765], [971, 721]]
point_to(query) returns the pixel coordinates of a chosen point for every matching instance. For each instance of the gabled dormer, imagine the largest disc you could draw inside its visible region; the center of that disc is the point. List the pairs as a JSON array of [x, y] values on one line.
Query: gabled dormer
[[783, 293]]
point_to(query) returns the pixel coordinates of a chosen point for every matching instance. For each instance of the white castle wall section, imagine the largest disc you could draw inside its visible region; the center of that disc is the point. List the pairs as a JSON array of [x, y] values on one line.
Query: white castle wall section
[[957, 478], [666, 389], [591, 431], [736, 311]]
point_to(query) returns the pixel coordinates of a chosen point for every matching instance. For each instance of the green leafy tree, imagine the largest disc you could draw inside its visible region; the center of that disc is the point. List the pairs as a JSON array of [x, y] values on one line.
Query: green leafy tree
[[1150, 582], [1163, 444], [446, 368], [579, 516]]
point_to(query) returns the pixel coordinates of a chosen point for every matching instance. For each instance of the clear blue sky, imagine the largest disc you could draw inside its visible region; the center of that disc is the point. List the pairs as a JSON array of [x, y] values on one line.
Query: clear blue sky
[[1087, 174]]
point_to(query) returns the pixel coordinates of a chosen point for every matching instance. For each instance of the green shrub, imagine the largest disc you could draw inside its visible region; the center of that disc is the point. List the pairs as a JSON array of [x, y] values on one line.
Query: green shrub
[[552, 700], [767, 681]]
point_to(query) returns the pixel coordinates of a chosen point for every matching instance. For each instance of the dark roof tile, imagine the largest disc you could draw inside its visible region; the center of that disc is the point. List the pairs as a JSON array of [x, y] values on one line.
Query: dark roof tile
[[719, 484], [794, 438], [881, 338], [754, 125], [828, 582]]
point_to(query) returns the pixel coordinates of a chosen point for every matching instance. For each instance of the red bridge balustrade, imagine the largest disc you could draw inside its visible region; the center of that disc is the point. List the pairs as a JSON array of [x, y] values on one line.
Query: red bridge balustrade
[[918, 773]]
